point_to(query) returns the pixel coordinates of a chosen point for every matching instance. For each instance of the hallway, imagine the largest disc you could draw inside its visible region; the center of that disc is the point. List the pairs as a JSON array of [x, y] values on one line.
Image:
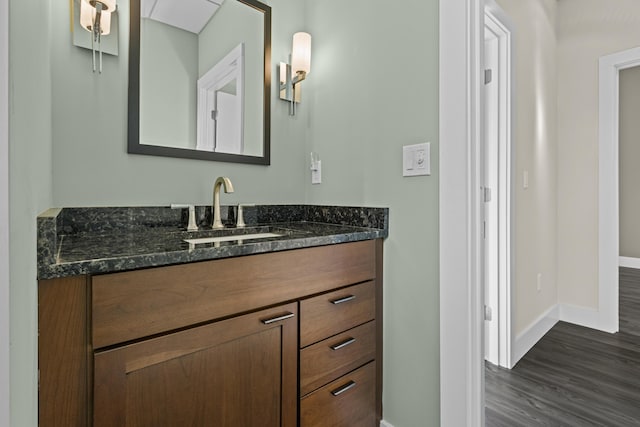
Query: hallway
[[574, 376]]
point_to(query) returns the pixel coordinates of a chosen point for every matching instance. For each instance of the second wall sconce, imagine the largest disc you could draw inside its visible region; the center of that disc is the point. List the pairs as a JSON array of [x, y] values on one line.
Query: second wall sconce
[[291, 74], [96, 18]]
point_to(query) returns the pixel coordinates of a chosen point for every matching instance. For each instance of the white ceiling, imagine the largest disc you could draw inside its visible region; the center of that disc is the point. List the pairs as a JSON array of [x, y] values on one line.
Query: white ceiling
[[189, 15]]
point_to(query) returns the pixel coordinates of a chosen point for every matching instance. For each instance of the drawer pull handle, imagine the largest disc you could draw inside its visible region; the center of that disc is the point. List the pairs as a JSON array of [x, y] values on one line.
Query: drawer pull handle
[[278, 319], [343, 344], [347, 386], [342, 300]]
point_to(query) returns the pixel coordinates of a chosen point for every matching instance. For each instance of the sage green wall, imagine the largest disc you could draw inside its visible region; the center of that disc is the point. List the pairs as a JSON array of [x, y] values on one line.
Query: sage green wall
[[91, 166], [373, 87], [629, 155], [29, 189], [168, 82]]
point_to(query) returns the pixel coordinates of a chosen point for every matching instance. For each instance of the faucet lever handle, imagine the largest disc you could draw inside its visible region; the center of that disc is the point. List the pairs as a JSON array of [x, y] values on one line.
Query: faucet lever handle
[[192, 215], [240, 223]]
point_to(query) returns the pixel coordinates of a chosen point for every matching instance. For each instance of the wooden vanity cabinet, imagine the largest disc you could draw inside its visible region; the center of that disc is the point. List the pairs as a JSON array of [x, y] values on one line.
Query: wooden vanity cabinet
[[238, 342]]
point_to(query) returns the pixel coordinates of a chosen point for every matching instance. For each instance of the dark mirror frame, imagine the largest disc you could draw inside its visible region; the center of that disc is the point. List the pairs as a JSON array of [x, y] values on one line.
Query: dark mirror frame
[[135, 147]]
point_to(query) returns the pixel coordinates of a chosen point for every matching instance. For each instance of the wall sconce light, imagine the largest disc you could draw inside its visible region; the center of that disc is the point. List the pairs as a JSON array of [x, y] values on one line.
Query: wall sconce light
[[95, 17], [292, 74]]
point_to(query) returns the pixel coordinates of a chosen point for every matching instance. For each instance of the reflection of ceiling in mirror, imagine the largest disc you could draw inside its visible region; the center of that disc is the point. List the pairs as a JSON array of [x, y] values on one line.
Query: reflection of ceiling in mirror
[[189, 15]]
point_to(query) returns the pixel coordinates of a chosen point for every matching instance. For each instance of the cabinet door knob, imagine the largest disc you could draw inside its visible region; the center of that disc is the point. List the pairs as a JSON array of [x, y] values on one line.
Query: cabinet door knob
[[343, 344], [347, 386], [342, 300], [278, 319]]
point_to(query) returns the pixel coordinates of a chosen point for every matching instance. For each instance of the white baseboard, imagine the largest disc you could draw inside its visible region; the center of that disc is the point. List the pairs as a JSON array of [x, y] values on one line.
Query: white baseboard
[[582, 316], [530, 336], [629, 262], [384, 423]]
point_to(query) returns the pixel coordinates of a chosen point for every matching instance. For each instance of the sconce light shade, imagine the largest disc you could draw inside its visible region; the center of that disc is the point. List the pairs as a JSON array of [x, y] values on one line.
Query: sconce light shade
[[107, 5], [301, 53], [88, 17], [106, 23], [291, 75]]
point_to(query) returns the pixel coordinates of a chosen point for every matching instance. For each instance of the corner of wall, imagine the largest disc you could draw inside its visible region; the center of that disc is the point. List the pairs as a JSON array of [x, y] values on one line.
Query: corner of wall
[[533, 333], [30, 191]]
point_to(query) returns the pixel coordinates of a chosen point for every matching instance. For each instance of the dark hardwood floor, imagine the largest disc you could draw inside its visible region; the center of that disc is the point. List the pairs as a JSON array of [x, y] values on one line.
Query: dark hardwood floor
[[574, 376], [630, 300]]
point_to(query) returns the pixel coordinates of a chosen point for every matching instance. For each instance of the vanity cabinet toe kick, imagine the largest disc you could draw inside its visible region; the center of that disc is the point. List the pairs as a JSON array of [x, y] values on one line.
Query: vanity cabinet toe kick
[[296, 336]]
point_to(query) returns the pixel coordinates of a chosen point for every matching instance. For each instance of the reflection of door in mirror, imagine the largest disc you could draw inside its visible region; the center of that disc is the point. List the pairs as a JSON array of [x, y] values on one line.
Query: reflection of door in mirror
[[221, 105], [182, 42]]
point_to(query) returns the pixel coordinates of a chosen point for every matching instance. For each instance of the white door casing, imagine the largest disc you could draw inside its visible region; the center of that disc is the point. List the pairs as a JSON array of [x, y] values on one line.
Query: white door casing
[[499, 170], [491, 198], [608, 185], [213, 96], [461, 295]]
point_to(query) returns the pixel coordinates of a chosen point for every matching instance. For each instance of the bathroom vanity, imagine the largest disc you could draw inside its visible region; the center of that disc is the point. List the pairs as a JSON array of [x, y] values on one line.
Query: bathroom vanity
[[138, 327]]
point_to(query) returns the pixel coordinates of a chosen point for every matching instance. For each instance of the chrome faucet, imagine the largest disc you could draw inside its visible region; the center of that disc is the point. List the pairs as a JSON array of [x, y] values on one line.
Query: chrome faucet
[[228, 188]]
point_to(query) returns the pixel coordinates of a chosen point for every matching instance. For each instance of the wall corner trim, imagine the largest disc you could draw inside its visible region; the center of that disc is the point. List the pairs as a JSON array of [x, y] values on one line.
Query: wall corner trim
[[532, 334], [461, 296]]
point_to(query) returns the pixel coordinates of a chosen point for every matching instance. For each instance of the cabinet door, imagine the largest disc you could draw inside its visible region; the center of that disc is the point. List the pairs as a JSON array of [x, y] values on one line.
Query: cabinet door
[[240, 372]]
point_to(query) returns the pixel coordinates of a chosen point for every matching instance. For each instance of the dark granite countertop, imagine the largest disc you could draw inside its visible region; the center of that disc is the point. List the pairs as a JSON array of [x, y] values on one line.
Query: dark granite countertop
[[73, 241]]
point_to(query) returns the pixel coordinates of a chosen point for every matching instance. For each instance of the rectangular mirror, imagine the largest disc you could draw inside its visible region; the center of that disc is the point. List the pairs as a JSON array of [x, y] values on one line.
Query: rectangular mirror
[[199, 79]]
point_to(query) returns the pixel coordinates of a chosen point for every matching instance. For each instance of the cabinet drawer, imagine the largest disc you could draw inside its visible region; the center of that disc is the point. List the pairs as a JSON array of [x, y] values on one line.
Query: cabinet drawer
[[327, 360], [346, 402], [334, 312], [135, 304]]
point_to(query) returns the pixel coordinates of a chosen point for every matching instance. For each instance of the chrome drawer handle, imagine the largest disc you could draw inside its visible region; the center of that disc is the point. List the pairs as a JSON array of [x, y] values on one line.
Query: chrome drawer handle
[[343, 344], [345, 299], [278, 319], [347, 386]]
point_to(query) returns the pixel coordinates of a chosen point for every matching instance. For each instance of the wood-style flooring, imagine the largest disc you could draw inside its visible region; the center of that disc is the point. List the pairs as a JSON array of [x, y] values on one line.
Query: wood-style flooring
[[574, 376], [629, 310]]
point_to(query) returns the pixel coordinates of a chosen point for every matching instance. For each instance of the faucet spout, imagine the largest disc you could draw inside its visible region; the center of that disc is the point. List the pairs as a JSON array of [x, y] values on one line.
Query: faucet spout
[[228, 188]]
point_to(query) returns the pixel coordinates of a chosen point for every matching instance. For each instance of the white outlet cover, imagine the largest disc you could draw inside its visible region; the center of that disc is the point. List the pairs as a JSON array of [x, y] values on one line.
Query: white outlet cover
[[316, 174], [416, 159]]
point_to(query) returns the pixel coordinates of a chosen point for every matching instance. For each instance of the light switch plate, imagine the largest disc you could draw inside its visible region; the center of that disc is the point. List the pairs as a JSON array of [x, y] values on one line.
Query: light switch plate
[[416, 159]]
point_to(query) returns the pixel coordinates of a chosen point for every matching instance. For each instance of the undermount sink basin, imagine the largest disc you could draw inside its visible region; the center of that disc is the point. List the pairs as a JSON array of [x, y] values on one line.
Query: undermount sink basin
[[232, 238]]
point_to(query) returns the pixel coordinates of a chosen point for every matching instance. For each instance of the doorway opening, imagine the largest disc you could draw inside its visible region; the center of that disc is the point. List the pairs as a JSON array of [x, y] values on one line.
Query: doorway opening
[[608, 183], [497, 178]]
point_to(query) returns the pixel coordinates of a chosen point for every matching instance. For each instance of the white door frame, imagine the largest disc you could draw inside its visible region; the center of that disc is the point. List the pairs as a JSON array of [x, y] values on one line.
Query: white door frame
[[489, 154], [461, 293], [499, 24], [4, 216], [229, 68], [608, 188]]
